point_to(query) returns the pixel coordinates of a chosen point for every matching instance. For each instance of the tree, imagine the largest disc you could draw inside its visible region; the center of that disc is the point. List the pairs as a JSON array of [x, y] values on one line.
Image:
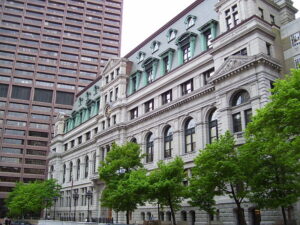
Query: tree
[[124, 178], [218, 171], [166, 185], [32, 197], [272, 149]]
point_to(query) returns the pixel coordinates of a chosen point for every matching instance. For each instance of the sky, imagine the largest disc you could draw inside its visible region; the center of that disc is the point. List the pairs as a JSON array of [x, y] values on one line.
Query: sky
[[141, 18]]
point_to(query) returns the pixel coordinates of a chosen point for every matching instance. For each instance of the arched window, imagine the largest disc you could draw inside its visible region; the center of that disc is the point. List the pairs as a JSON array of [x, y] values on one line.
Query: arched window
[[94, 163], [193, 217], [64, 173], [190, 21], [149, 216], [189, 135], [71, 172], [161, 216], [213, 126], [154, 46], [241, 116], [78, 169], [168, 214], [183, 216], [142, 216], [133, 140], [51, 172], [149, 148], [240, 98], [168, 140], [171, 34], [86, 170]]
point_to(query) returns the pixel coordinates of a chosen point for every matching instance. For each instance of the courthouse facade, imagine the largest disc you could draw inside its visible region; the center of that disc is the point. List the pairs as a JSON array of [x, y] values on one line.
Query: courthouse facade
[[204, 72]]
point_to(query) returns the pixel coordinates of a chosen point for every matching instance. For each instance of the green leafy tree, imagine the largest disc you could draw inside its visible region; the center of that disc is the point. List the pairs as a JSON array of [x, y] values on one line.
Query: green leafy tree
[[124, 177], [32, 197], [272, 151], [218, 171], [166, 185]]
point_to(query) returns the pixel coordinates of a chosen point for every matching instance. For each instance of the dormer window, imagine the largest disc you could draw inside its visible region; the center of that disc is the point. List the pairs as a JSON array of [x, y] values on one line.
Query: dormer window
[[96, 88], [171, 34], [186, 45], [80, 101], [87, 95], [141, 56], [155, 46], [190, 21], [150, 68]]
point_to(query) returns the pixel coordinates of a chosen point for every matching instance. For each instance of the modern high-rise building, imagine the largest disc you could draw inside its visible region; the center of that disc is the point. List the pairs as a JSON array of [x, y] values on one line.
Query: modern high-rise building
[[204, 72], [49, 51]]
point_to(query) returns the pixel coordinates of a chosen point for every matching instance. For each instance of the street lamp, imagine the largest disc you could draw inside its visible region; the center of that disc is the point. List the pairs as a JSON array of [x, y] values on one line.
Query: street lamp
[[75, 197], [55, 200], [89, 195]]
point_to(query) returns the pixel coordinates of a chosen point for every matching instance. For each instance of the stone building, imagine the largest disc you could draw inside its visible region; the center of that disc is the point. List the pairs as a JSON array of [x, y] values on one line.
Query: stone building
[[204, 72]]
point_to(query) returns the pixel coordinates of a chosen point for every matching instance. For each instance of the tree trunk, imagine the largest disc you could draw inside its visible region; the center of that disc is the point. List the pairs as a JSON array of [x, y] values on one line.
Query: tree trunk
[[127, 217], [241, 215], [283, 215], [172, 212]]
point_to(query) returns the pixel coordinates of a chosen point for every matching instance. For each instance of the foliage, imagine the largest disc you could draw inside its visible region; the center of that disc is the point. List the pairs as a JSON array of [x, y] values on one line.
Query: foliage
[[124, 178], [32, 197], [166, 185], [218, 171], [272, 151]]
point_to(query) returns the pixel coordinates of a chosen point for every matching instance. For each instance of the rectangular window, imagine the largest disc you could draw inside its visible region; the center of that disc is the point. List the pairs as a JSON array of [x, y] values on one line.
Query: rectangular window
[[43, 95], [166, 97], [18, 106], [231, 17], [35, 152], [149, 106], [261, 13], [297, 61], [79, 139], [35, 161], [64, 98], [186, 49], [208, 38], [207, 74], [12, 150], [134, 113], [295, 39], [272, 17], [13, 141], [17, 114], [116, 93], [187, 87], [19, 92], [166, 63], [38, 134], [15, 123], [37, 143], [88, 136], [3, 90], [15, 132], [248, 116], [268, 46], [237, 122]]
